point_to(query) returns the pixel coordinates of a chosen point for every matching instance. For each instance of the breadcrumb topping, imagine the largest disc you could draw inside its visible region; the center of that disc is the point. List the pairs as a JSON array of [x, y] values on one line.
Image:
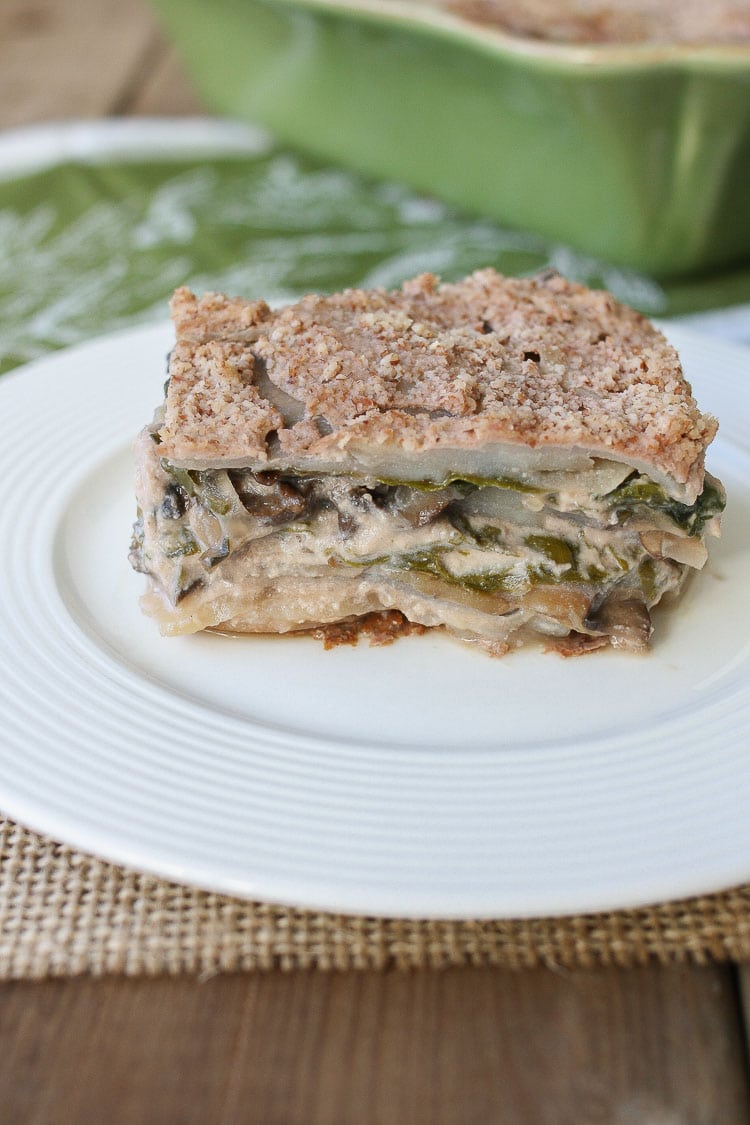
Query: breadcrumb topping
[[216, 317], [627, 21], [539, 361], [211, 395]]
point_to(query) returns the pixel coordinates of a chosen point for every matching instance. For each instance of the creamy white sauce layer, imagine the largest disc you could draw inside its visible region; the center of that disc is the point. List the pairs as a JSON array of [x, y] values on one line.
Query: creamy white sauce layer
[[476, 567]]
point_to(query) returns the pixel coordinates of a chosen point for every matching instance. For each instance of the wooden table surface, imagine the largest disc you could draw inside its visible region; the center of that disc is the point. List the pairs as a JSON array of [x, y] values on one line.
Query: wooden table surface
[[654, 1045]]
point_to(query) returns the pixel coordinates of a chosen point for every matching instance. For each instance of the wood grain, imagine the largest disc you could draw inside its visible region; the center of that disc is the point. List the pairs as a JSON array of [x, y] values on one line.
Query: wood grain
[[649, 1046], [742, 974], [72, 58], [162, 87]]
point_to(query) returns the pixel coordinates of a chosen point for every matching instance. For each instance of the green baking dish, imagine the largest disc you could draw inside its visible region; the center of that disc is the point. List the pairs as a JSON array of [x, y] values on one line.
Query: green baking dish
[[638, 155]]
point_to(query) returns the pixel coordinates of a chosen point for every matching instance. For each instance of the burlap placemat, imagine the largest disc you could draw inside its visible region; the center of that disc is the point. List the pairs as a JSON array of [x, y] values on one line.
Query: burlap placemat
[[138, 228], [64, 914]]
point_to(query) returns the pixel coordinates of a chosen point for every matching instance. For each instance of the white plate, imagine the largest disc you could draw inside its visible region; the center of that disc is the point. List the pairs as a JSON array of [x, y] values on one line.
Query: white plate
[[420, 779]]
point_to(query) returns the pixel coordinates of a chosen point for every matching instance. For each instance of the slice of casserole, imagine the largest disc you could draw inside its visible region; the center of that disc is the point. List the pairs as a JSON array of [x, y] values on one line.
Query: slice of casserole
[[505, 458]]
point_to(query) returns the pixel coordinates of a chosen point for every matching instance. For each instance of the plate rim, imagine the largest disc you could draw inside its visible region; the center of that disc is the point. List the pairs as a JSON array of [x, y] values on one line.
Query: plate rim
[[324, 897]]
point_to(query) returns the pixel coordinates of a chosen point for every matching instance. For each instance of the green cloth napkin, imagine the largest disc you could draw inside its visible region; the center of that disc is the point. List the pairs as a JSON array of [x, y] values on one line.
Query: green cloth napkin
[[86, 248]]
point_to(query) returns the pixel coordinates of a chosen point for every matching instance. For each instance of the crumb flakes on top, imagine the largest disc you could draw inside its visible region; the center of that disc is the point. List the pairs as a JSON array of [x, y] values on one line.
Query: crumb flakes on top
[[627, 21], [540, 361], [211, 394]]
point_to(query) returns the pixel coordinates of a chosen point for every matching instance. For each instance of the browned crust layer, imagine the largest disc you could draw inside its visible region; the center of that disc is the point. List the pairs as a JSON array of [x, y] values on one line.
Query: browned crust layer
[[627, 21], [381, 628], [540, 362]]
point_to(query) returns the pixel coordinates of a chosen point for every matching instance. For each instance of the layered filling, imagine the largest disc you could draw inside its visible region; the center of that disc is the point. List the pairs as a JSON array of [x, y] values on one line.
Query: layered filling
[[580, 558]]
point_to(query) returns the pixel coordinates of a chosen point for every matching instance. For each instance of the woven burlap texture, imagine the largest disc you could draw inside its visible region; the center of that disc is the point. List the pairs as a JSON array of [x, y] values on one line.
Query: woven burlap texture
[[65, 914]]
